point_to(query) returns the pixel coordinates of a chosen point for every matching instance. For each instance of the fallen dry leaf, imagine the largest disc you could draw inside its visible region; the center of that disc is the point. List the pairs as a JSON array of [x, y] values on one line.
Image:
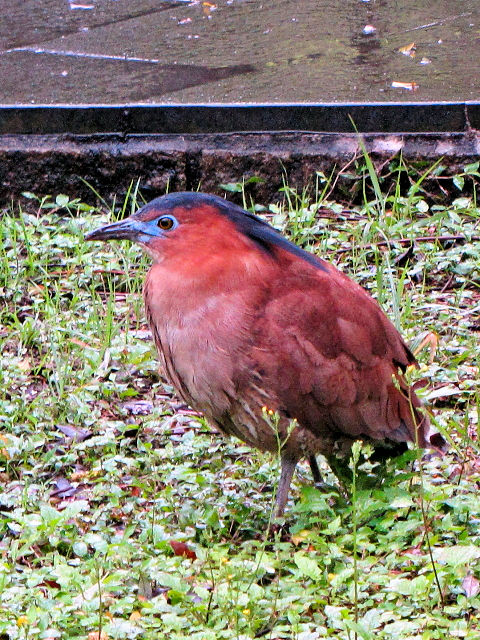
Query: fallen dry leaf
[[75, 433], [25, 365], [80, 343], [135, 615], [182, 549], [471, 586], [138, 407], [431, 339], [94, 635], [63, 489], [408, 50], [301, 536]]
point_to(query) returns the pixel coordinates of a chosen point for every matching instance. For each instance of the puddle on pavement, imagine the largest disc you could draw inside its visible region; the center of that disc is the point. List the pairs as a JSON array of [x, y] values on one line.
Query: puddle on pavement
[[114, 51]]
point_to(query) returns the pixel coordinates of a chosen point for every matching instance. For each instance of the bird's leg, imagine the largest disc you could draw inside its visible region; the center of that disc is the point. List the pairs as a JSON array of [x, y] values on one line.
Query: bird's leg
[[317, 476], [342, 471], [318, 480], [288, 467]]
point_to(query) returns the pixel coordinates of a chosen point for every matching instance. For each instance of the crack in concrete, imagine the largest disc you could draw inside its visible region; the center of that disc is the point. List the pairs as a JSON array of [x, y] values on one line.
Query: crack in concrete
[[79, 54]]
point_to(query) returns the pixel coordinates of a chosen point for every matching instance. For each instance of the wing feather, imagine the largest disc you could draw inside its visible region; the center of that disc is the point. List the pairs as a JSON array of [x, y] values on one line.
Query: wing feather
[[337, 359]]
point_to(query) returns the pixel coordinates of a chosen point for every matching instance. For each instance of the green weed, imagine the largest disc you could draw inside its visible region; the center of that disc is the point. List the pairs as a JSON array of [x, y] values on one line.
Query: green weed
[[103, 471]]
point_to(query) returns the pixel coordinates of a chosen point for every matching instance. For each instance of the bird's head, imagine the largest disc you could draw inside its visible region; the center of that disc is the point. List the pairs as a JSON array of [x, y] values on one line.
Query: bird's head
[[149, 226], [192, 223]]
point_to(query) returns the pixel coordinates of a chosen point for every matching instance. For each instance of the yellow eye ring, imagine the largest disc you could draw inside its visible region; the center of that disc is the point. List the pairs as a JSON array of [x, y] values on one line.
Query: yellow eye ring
[[165, 223]]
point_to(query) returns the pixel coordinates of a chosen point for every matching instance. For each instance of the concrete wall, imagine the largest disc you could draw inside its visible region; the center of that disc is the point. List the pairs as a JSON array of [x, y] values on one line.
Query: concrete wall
[[55, 164]]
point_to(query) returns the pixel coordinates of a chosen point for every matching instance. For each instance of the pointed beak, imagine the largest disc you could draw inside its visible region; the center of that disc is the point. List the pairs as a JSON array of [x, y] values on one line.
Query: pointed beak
[[129, 229]]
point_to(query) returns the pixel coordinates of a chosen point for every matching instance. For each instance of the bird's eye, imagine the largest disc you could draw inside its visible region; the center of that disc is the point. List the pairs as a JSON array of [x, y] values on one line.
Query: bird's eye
[[166, 222]]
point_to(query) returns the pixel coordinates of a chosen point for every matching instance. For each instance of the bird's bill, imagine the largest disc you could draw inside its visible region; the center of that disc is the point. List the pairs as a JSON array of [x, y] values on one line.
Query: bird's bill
[[129, 229]]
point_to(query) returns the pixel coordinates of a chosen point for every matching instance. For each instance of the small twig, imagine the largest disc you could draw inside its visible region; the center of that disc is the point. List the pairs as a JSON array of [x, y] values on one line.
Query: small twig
[[429, 25], [385, 243], [356, 450], [430, 553], [100, 600], [116, 272], [426, 523], [210, 595], [344, 168], [329, 214], [447, 284]]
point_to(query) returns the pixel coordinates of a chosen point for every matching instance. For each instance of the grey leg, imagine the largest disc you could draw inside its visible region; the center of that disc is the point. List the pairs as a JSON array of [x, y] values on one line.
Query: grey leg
[[317, 476], [341, 469], [288, 467]]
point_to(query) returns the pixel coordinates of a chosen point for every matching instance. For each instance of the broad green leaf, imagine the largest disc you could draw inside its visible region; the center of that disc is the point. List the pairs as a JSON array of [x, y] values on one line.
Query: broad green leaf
[[457, 554], [307, 566]]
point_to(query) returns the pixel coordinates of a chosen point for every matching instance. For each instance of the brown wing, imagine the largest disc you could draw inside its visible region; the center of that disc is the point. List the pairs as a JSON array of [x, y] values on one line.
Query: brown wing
[[336, 354]]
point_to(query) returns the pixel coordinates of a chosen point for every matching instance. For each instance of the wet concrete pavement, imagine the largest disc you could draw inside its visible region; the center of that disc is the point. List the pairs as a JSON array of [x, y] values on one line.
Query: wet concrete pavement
[[178, 81], [238, 51]]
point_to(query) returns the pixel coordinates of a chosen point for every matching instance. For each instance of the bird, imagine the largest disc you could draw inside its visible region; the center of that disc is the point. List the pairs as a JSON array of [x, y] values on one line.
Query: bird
[[248, 325]]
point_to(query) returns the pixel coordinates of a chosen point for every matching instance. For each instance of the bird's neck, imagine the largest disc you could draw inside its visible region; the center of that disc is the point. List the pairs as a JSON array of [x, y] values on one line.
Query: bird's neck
[[202, 311], [194, 281]]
